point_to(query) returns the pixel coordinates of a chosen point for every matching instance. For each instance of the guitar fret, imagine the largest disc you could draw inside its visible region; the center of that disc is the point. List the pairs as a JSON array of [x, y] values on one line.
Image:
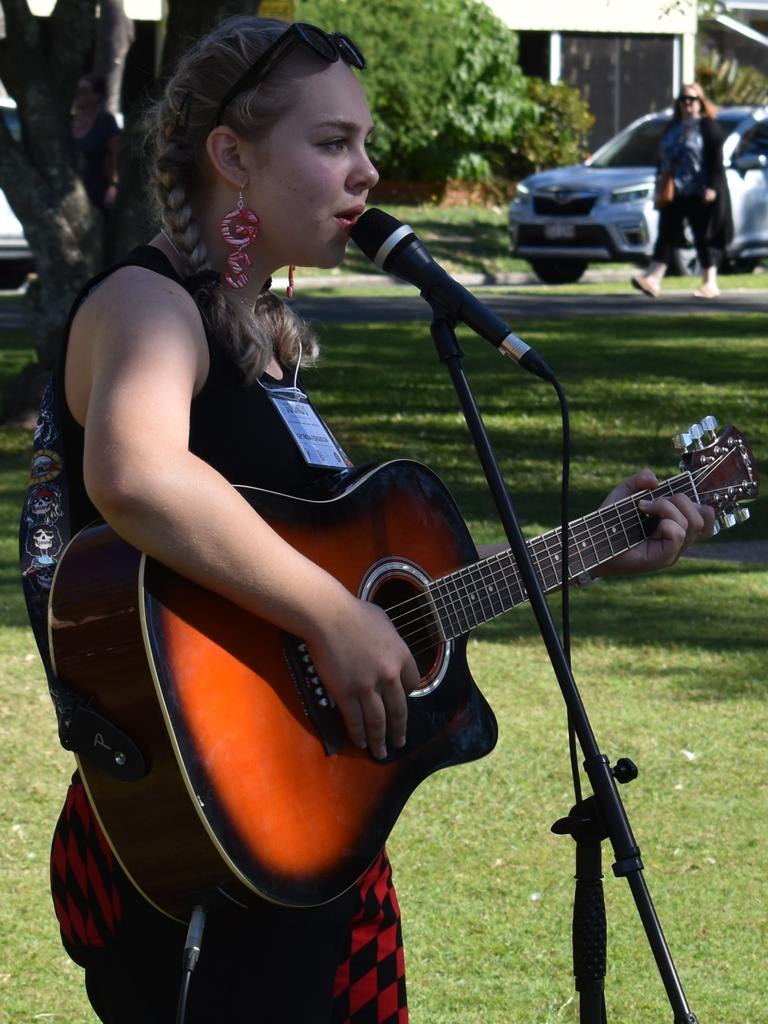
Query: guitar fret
[[610, 530], [468, 596], [489, 591], [515, 592], [454, 626], [550, 573]]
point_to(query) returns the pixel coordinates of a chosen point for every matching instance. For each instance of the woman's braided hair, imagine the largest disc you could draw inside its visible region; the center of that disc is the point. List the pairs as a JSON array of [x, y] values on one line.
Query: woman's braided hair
[[178, 126]]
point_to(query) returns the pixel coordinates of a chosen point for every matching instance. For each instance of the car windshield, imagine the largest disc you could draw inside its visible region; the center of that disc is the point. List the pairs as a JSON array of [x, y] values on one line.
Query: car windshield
[[639, 147]]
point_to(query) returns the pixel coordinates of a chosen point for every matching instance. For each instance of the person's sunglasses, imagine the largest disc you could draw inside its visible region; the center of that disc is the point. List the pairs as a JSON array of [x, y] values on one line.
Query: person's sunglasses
[[688, 99], [330, 47]]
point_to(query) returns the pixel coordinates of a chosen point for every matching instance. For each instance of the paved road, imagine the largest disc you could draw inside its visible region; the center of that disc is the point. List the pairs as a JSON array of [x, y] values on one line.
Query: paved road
[[511, 307], [530, 304]]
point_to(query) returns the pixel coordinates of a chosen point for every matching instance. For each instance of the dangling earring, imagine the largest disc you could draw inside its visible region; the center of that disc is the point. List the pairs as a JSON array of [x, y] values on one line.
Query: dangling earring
[[239, 228], [291, 281]]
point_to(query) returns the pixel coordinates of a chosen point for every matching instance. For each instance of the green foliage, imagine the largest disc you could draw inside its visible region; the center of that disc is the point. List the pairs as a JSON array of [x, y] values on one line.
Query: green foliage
[[445, 92], [726, 81], [559, 134]]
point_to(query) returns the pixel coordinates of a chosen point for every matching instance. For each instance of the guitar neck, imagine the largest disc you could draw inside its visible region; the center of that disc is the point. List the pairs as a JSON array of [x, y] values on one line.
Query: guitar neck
[[486, 589]]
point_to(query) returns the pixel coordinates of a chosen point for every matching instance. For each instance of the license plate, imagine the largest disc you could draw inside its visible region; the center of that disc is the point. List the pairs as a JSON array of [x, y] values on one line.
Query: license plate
[[559, 231]]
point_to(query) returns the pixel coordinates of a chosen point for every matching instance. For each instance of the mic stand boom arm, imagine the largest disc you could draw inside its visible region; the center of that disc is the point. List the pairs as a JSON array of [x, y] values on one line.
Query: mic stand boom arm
[[612, 815]]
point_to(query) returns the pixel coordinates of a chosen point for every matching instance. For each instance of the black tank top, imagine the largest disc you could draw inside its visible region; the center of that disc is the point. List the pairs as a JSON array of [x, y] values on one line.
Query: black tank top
[[234, 427]]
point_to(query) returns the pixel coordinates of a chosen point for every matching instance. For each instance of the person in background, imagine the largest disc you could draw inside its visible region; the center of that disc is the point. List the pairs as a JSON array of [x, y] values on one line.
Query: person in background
[[97, 138], [692, 152], [172, 387]]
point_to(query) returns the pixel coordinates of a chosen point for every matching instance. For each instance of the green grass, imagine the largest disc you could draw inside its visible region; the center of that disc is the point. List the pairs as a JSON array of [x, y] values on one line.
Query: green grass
[[671, 668]]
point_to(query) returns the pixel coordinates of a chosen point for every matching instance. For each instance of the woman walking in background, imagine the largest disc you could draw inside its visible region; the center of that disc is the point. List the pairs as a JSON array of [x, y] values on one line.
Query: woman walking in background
[[691, 159], [97, 137]]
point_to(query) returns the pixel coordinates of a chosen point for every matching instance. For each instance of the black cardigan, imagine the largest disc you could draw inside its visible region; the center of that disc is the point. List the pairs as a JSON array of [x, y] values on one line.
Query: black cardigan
[[720, 227]]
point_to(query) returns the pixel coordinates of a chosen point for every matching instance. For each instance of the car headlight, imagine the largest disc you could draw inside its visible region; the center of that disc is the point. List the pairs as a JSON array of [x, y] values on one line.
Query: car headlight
[[522, 194], [632, 194]]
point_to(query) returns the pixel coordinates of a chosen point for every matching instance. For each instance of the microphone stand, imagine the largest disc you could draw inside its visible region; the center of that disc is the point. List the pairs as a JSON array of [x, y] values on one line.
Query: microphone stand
[[602, 815]]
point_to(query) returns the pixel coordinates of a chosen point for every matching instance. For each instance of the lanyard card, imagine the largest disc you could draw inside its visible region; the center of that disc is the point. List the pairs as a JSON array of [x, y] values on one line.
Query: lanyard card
[[315, 441]]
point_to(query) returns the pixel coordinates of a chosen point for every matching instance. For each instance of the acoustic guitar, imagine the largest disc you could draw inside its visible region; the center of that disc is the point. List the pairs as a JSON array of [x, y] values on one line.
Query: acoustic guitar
[[251, 788]]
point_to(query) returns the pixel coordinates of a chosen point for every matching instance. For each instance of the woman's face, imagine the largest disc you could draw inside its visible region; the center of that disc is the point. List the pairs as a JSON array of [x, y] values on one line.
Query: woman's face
[[86, 97], [309, 180], [690, 104]]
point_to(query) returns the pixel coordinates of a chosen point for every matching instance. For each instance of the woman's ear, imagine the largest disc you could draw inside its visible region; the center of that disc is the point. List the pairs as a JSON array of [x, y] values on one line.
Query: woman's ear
[[225, 151]]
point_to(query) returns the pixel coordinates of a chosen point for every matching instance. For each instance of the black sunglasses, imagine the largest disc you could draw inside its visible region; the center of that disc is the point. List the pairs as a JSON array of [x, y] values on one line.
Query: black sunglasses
[[687, 99], [330, 47]]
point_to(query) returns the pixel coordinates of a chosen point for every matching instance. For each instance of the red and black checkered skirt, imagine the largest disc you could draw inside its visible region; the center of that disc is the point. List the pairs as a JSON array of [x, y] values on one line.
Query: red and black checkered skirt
[[104, 924]]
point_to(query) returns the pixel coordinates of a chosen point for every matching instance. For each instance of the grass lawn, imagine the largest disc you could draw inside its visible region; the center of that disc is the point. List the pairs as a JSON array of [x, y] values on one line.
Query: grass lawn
[[671, 668]]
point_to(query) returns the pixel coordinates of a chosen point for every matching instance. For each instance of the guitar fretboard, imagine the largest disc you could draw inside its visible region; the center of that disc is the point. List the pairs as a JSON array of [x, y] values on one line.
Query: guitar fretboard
[[486, 589]]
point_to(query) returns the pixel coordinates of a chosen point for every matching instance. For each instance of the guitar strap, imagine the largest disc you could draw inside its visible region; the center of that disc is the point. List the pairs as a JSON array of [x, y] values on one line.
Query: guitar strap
[[44, 532]]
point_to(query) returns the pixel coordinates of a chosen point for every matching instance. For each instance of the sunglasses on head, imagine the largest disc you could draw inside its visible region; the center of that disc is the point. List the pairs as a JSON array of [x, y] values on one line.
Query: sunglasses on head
[[687, 99], [330, 47]]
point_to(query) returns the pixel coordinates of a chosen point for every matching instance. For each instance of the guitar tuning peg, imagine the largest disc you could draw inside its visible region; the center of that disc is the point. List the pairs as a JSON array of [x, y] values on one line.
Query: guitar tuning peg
[[682, 441], [716, 527], [727, 520], [742, 514], [709, 426], [697, 432]]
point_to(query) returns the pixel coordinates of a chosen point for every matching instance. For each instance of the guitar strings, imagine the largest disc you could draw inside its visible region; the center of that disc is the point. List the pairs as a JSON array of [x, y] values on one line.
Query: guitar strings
[[452, 606]]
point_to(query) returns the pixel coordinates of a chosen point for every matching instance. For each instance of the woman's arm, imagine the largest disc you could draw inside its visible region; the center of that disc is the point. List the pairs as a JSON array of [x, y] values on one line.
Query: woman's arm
[[137, 356]]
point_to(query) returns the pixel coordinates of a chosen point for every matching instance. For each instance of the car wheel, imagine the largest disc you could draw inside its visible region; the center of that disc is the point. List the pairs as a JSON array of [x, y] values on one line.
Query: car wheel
[[685, 263], [558, 271], [738, 266]]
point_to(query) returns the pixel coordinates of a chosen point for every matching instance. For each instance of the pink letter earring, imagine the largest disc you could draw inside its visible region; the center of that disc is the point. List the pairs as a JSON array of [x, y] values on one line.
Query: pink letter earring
[[239, 228]]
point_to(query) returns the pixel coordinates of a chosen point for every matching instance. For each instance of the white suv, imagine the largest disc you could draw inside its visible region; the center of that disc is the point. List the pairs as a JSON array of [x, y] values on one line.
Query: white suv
[[15, 256], [602, 210]]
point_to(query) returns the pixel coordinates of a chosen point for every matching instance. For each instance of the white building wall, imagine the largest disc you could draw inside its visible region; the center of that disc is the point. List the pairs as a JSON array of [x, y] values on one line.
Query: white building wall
[[676, 17], [618, 17]]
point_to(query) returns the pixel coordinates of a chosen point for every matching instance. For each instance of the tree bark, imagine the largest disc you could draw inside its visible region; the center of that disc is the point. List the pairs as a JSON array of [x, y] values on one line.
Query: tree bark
[[41, 60], [40, 63], [114, 38]]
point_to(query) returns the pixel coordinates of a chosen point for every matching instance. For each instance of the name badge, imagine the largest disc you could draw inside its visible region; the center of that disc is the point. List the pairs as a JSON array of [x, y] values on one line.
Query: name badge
[[314, 440]]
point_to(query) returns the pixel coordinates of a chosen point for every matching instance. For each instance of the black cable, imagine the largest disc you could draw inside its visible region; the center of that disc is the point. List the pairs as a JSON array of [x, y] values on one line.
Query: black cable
[[192, 945], [565, 590]]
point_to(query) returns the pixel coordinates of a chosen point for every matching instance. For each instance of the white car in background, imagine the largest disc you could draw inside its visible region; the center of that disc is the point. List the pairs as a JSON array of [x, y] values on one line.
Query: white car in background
[[15, 255], [602, 210]]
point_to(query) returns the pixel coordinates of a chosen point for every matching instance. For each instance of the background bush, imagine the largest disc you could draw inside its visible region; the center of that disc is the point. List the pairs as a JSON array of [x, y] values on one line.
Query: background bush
[[559, 134], [447, 97], [727, 81]]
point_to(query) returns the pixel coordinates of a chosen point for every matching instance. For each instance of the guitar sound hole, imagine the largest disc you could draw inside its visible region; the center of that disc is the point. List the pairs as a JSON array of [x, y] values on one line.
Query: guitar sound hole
[[411, 612]]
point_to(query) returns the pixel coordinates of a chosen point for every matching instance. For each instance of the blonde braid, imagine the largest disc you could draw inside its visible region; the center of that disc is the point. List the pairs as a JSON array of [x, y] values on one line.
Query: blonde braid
[[179, 124]]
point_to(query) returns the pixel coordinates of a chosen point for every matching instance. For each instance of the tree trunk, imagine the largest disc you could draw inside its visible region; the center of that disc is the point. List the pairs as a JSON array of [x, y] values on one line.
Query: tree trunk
[[41, 60], [131, 221], [114, 38]]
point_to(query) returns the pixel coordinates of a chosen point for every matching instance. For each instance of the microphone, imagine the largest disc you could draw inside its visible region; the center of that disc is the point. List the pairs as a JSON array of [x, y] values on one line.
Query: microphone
[[395, 248]]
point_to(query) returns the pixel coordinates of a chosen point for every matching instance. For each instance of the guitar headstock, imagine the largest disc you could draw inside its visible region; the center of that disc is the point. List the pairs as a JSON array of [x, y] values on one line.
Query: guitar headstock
[[723, 469]]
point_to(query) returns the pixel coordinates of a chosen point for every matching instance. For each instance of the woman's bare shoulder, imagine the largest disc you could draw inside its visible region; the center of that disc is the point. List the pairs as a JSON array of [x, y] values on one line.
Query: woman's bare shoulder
[[137, 325], [137, 304]]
